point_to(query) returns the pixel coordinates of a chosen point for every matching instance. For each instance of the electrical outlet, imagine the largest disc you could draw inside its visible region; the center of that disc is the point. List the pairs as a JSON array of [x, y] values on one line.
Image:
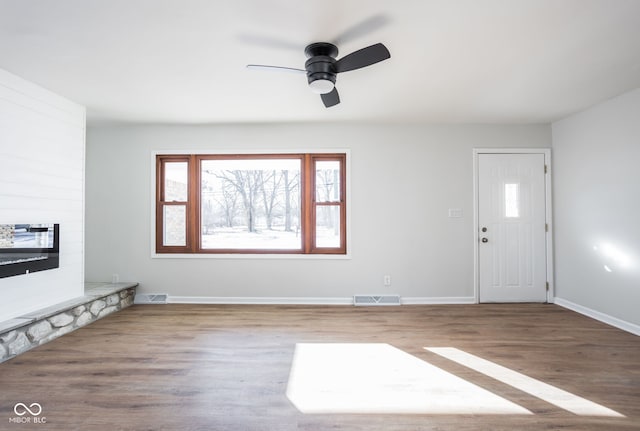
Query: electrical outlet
[[387, 280]]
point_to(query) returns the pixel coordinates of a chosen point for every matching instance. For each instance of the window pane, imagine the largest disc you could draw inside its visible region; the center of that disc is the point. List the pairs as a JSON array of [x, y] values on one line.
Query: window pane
[[328, 226], [176, 176], [512, 200], [251, 204], [175, 225], [327, 181]]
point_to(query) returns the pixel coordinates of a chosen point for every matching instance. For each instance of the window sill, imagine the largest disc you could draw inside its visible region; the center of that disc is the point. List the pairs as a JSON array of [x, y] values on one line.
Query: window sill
[[252, 256]]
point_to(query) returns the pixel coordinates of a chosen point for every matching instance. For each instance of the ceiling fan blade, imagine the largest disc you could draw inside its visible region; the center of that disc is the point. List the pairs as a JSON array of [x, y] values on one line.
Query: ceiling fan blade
[[363, 57], [361, 29], [330, 99], [269, 42], [275, 68]]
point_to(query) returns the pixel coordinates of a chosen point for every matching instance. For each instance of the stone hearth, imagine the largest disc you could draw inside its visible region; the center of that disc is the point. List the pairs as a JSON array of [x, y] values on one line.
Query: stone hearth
[[31, 330]]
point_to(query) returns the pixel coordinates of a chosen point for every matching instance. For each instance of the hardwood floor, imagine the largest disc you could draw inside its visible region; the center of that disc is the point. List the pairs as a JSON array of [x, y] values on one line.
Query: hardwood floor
[[206, 367]]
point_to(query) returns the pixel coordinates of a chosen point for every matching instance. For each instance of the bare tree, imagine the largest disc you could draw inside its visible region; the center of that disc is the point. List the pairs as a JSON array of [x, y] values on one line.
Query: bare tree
[[270, 194], [290, 187], [228, 203], [261, 195], [247, 184]]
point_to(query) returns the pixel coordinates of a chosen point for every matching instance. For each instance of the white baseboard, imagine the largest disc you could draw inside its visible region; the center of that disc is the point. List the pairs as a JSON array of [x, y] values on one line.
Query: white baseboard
[[609, 320], [258, 300], [426, 300], [308, 301]]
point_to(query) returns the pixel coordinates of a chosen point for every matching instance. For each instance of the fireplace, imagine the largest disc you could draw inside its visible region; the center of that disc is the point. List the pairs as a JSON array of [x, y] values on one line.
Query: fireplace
[[26, 248]]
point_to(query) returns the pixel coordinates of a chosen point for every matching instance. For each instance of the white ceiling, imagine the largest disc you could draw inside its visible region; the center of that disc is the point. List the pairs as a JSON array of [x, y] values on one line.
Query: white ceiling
[[452, 61]]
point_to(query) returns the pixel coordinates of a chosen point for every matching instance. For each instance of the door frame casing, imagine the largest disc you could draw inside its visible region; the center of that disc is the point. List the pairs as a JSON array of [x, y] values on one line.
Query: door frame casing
[[548, 215]]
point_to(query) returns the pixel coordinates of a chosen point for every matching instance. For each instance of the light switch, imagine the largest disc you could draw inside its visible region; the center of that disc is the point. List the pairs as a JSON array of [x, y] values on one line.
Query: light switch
[[455, 212]]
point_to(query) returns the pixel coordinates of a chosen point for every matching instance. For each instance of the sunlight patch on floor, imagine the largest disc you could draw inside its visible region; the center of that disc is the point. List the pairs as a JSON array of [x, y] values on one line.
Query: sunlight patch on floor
[[379, 378], [551, 394]]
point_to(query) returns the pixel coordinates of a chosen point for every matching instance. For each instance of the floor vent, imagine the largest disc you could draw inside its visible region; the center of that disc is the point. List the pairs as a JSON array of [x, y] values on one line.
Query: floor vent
[[151, 298], [376, 300]]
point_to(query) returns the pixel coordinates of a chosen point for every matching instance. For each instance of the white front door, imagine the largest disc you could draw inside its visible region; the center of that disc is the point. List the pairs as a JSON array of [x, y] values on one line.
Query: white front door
[[511, 228]]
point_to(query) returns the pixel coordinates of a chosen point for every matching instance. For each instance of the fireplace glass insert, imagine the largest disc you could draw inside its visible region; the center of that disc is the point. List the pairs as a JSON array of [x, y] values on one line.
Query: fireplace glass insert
[[26, 248]]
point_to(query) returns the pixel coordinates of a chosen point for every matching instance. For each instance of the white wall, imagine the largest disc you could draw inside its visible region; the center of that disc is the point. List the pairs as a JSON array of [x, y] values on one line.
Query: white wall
[[597, 203], [403, 181], [42, 140]]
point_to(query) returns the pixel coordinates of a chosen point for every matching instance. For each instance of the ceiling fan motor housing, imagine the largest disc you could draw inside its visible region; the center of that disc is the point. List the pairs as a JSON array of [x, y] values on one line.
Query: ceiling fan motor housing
[[321, 62]]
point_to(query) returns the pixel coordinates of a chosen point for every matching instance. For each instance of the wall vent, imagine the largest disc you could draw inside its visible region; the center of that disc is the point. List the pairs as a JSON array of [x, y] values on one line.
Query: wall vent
[[376, 300], [151, 298]]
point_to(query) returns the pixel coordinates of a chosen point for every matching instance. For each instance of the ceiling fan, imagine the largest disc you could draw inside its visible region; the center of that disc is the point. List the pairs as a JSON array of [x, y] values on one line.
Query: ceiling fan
[[322, 67]]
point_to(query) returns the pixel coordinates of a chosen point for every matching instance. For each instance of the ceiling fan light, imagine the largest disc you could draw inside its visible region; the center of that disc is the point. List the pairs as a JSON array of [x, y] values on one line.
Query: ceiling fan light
[[321, 86]]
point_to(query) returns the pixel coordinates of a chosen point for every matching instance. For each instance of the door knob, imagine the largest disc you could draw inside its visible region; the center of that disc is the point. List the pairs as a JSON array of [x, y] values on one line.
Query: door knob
[[485, 240]]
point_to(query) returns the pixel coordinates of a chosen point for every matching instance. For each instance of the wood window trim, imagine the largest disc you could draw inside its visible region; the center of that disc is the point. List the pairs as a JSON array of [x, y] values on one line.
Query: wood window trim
[[161, 203], [307, 202], [341, 203]]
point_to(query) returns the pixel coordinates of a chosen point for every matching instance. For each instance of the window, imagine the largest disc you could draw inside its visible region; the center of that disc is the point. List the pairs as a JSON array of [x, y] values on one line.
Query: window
[[512, 200], [251, 203]]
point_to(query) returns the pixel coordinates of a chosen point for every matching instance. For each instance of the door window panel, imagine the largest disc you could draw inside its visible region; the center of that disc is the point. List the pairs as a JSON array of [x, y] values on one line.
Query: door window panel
[[512, 200]]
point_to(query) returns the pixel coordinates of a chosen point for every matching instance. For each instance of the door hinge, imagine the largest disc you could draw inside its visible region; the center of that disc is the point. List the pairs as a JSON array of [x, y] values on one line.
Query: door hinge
[[545, 169], [547, 286], [546, 227]]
